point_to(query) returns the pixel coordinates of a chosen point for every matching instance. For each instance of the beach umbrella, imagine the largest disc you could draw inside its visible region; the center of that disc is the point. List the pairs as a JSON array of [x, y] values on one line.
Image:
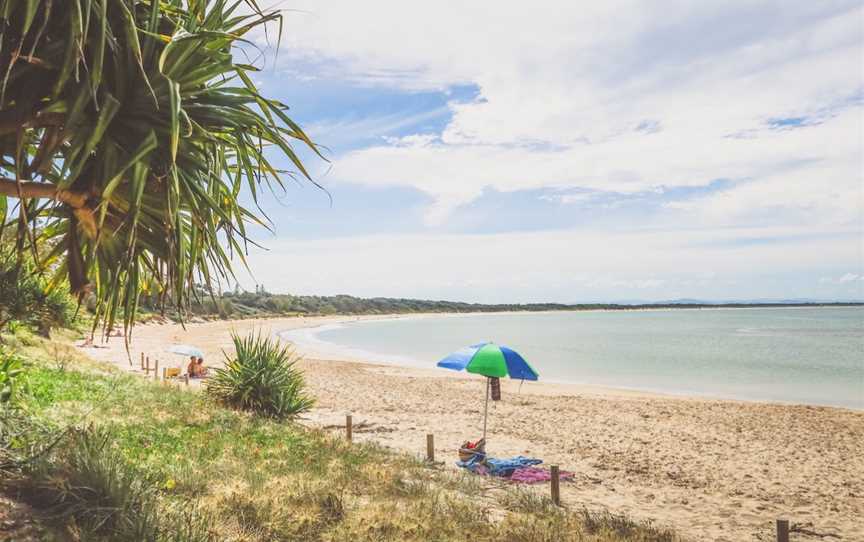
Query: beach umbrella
[[492, 361], [186, 350]]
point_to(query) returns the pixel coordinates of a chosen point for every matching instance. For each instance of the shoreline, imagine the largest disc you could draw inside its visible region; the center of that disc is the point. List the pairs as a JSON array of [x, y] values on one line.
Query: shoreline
[[712, 469], [316, 348], [332, 352]]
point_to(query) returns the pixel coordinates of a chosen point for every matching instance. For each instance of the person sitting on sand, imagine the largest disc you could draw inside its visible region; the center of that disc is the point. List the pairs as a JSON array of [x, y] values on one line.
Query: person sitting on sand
[[192, 368], [200, 370]]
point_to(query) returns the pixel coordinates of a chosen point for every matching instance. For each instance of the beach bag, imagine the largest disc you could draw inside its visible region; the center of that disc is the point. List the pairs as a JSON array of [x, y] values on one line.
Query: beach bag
[[469, 450], [495, 384]]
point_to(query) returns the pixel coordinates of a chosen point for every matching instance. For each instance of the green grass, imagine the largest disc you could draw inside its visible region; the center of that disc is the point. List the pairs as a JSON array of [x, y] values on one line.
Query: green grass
[[159, 449]]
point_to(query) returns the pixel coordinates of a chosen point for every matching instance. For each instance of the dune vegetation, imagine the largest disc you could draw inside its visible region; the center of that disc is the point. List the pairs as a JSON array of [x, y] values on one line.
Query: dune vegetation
[[102, 455], [239, 304]]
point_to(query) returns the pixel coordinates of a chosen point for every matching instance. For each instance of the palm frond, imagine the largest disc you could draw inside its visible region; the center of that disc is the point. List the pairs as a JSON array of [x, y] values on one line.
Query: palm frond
[[135, 122]]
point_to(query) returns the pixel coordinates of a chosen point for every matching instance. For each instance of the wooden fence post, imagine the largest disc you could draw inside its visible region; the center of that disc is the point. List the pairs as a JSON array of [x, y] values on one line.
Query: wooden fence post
[[782, 530], [430, 448], [142, 361], [186, 379], [156, 371], [147, 367], [556, 485], [348, 429]]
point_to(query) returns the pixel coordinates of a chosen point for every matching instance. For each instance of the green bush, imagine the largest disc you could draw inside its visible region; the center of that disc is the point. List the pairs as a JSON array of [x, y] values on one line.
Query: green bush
[[262, 377], [55, 310], [11, 371], [26, 297]]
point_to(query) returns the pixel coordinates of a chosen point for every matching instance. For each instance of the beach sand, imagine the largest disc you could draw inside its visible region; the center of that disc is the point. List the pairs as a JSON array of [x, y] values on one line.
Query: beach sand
[[711, 469]]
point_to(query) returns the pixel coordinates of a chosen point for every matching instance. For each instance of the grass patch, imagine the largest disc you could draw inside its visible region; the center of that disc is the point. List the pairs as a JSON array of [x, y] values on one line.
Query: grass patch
[[154, 462], [89, 485], [523, 499]]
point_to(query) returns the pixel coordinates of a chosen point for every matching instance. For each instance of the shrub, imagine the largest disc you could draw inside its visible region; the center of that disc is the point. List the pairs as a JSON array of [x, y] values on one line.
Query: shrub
[[55, 310], [226, 309], [90, 483], [11, 371], [262, 377], [87, 484], [26, 297], [22, 436]]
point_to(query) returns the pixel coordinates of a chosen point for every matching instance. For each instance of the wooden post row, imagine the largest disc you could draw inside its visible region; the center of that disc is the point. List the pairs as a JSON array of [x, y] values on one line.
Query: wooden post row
[[782, 530], [430, 448], [556, 484], [348, 429]]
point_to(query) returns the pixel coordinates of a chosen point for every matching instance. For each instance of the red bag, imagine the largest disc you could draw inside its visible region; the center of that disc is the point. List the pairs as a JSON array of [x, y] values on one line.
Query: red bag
[[470, 449]]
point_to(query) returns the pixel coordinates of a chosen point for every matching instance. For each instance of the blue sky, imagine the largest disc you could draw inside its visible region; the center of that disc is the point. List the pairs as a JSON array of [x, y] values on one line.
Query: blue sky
[[572, 153]]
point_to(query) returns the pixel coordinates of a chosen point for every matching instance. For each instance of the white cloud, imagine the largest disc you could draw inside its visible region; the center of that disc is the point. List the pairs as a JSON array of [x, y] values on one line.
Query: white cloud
[[843, 279], [347, 130], [567, 89], [554, 265], [568, 199], [586, 98]]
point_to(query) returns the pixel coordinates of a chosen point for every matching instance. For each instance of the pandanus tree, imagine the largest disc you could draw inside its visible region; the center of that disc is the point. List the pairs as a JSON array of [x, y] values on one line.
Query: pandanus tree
[[128, 131]]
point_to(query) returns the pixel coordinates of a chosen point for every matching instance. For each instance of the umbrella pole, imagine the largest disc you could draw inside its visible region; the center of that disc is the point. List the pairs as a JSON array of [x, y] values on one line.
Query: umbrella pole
[[486, 408]]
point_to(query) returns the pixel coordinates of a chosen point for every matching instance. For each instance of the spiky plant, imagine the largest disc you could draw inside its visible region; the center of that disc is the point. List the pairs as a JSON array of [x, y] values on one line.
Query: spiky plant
[[88, 480], [11, 370], [261, 377], [26, 298], [127, 133]]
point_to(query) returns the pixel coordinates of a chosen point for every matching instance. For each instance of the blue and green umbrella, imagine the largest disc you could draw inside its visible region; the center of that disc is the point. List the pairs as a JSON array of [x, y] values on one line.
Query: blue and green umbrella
[[492, 361]]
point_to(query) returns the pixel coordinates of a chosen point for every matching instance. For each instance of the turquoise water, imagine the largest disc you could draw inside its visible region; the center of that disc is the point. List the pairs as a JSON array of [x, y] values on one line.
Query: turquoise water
[[800, 355]]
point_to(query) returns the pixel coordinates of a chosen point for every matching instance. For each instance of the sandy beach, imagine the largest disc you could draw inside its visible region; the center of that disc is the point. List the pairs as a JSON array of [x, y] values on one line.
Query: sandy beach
[[712, 469]]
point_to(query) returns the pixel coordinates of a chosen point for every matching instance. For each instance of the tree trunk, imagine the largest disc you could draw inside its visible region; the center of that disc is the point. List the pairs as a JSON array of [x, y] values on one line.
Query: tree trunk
[[12, 121], [75, 199], [30, 189]]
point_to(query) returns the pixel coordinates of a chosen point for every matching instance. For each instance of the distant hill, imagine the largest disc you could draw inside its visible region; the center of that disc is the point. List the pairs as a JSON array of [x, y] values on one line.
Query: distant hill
[[242, 304]]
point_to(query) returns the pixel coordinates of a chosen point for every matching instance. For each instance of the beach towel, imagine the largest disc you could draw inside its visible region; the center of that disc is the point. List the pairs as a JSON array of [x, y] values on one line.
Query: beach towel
[[536, 475], [474, 463], [505, 467], [519, 469], [497, 467]]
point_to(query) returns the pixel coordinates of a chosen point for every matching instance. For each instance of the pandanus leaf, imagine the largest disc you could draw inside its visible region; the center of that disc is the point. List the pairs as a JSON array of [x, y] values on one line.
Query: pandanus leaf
[[155, 134]]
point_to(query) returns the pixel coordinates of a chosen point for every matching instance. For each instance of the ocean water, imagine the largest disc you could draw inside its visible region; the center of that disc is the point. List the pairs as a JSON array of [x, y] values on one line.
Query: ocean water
[[799, 355]]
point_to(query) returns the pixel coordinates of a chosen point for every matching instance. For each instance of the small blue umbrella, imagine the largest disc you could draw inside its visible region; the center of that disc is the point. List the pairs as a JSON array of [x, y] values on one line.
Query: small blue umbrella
[[492, 361], [186, 350]]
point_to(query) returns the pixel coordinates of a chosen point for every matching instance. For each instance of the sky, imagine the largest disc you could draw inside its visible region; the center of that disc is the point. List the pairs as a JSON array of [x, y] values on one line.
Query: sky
[[570, 151]]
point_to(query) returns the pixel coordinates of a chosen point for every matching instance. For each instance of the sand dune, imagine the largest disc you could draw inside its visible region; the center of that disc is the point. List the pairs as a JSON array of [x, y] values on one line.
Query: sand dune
[[712, 469]]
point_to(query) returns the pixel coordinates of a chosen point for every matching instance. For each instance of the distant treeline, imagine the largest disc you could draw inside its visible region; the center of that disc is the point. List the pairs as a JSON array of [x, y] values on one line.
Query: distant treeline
[[242, 304]]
